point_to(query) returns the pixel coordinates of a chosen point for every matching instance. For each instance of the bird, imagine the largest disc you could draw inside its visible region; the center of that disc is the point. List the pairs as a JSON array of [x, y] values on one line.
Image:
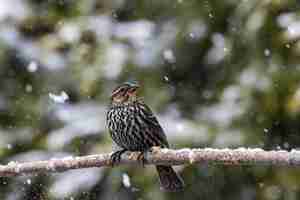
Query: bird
[[133, 127]]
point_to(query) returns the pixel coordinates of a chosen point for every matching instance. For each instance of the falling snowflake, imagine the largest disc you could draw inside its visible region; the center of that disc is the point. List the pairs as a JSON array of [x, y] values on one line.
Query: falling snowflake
[[9, 146], [169, 56], [28, 88], [62, 98], [126, 180], [32, 67], [267, 52], [166, 78], [28, 181]]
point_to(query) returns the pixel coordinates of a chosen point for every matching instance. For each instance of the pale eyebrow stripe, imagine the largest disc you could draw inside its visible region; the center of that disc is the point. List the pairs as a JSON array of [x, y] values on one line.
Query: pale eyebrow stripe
[[117, 90]]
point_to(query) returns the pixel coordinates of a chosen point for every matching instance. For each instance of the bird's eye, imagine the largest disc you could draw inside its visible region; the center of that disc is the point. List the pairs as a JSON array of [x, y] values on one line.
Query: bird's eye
[[122, 90]]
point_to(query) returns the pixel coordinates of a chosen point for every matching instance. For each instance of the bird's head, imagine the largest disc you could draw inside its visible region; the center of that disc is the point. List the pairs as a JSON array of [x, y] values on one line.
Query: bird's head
[[125, 93]]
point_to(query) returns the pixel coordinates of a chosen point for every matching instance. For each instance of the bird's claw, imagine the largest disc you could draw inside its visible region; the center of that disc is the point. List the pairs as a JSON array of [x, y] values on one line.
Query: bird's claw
[[115, 158], [142, 158]]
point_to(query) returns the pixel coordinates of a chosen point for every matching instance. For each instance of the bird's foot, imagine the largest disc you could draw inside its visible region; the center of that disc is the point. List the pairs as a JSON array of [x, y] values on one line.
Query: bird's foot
[[142, 157], [115, 158]]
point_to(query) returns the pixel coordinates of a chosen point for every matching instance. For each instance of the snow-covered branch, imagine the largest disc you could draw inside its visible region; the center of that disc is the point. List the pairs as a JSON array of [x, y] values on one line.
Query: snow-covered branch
[[240, 156]]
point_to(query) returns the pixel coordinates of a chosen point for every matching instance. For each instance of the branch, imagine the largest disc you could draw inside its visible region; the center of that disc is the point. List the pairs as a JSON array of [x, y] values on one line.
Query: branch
[[240, 156]]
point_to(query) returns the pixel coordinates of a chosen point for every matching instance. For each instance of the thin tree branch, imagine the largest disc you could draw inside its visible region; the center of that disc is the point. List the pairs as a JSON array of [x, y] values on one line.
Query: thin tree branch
[[240, 156]]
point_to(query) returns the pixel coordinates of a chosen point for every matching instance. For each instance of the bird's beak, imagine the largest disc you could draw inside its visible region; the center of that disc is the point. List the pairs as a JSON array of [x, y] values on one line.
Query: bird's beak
[[136, 87]]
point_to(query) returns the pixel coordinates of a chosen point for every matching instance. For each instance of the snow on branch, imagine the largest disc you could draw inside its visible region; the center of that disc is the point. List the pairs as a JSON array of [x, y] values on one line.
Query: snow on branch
[[240, 156]]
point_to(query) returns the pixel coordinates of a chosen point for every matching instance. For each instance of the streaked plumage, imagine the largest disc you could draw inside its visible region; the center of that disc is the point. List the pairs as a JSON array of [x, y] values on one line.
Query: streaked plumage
[[133, 127]]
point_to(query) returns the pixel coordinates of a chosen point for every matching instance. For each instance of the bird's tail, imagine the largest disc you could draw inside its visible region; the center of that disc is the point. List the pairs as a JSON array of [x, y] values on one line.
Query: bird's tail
[[169, 180]]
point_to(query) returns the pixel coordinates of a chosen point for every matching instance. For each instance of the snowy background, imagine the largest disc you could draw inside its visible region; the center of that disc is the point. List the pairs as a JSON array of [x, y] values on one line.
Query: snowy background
[[216, 73]]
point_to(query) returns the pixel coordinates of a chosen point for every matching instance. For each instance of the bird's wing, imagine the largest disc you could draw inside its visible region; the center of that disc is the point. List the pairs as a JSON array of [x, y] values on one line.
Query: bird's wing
[[154, 125]]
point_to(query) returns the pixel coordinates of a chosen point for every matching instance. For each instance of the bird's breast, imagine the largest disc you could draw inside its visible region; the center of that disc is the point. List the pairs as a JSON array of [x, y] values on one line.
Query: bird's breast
[[120, 123]]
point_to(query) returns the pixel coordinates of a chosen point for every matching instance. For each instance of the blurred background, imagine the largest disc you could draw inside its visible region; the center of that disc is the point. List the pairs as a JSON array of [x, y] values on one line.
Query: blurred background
[[219, 74]]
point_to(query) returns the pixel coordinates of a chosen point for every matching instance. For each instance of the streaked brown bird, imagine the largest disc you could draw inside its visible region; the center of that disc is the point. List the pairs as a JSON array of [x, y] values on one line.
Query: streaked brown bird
[[133, 127]]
